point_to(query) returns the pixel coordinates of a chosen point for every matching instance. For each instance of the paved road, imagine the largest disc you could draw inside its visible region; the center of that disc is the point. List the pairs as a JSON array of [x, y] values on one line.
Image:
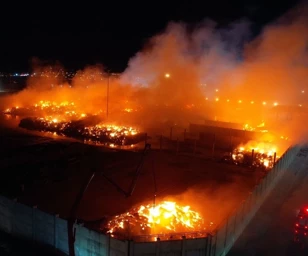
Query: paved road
[[271, 230]]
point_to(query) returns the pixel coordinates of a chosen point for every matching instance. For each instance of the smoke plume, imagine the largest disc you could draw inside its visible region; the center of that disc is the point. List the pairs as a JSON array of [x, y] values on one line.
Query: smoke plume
[[189, 73]]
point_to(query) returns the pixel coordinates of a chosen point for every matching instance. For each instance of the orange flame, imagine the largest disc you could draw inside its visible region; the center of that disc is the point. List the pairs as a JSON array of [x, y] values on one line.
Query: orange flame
[[165, 217]]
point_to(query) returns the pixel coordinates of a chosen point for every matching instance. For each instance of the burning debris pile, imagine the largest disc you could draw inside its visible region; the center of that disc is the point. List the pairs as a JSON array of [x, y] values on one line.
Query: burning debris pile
[[261, 157], [161, 219], [67, 110], [65, 119]]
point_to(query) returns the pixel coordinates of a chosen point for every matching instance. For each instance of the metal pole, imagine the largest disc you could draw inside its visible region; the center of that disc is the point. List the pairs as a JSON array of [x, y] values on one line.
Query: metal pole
[[252, 156], [73, 213], [213, 146], [107, 107]]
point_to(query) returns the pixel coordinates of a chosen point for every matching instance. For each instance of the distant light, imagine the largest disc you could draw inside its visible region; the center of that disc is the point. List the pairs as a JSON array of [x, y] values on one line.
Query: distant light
[[264, 102], [299, 105], [228, 100], [252, 102], [217, 99], [240, 101], [216, 90], [206, 98], [303, 91], [275, 104], [167, 75]]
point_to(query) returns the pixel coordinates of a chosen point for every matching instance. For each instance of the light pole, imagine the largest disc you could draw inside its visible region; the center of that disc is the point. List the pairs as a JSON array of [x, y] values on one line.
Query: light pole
[[107, 101]]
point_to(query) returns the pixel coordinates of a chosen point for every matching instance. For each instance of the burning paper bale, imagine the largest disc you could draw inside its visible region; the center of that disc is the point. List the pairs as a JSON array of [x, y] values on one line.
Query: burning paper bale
[[164, 218], [66, 109], [118, 135], [258, 155], [64, 119]]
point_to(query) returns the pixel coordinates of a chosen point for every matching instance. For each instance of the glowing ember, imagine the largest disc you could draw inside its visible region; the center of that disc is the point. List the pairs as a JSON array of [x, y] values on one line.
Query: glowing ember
[[166, 217], [67, 110], [104, 133], [259, 128]]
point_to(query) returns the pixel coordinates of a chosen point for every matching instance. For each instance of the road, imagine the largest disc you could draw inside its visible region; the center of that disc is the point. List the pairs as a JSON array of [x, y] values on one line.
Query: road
[[271, 231]]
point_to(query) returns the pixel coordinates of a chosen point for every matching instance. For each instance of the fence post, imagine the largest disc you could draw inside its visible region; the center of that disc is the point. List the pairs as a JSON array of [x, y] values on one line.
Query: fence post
[[234, 228], [183, 246], [158, 247], [195, 146], [226, 233], [213, 147], [231, 138], [177, 145], [55, 231], [145, 139], [108, 244], [161, 142], [130, 247], [33, 223]]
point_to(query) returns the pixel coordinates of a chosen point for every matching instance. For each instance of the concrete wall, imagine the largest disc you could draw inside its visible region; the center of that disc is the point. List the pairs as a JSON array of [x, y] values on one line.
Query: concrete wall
[[191, 247], [234, 225], [89, 242], [32, 224], [37, 226]]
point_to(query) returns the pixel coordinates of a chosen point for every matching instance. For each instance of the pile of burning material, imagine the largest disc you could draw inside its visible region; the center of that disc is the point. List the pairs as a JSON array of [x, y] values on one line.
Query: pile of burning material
[[255, 157], [160, 220], [86, 129], [43, 108]]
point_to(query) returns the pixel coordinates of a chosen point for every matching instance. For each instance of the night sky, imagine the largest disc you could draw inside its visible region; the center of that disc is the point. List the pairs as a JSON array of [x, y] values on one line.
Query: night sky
[[85, 33]]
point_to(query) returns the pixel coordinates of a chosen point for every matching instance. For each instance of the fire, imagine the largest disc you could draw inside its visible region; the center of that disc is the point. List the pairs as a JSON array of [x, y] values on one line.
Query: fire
[[64, 118], [256, 154], [258, 128], [166, 217], [63, 111]]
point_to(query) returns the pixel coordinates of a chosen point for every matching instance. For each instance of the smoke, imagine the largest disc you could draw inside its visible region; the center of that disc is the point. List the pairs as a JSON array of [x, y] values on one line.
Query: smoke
[[188, 73]]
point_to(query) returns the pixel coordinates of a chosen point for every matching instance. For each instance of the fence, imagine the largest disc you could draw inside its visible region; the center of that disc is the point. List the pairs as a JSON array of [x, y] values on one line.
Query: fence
[[33, 225], [36, 226], [234, 225]]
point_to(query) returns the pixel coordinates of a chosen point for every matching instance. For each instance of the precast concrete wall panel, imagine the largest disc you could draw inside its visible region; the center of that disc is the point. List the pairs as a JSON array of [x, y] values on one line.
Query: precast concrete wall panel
[[146, 249], [118, 247], [87, 242], [195, 247], [61, 235], [44, 227], [170, 248], [22, 221], [6, 214]]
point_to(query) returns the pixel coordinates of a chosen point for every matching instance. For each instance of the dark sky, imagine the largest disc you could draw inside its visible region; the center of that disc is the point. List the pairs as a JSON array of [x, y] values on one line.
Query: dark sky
[[110, 32]]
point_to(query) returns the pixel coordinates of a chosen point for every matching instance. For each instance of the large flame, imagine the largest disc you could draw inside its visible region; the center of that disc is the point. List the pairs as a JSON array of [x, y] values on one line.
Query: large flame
[[259, 154], [165, 217]]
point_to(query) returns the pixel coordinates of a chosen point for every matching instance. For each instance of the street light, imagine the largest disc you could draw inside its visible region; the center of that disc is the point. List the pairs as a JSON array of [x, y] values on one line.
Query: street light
[[167, 75], [107, 100]]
